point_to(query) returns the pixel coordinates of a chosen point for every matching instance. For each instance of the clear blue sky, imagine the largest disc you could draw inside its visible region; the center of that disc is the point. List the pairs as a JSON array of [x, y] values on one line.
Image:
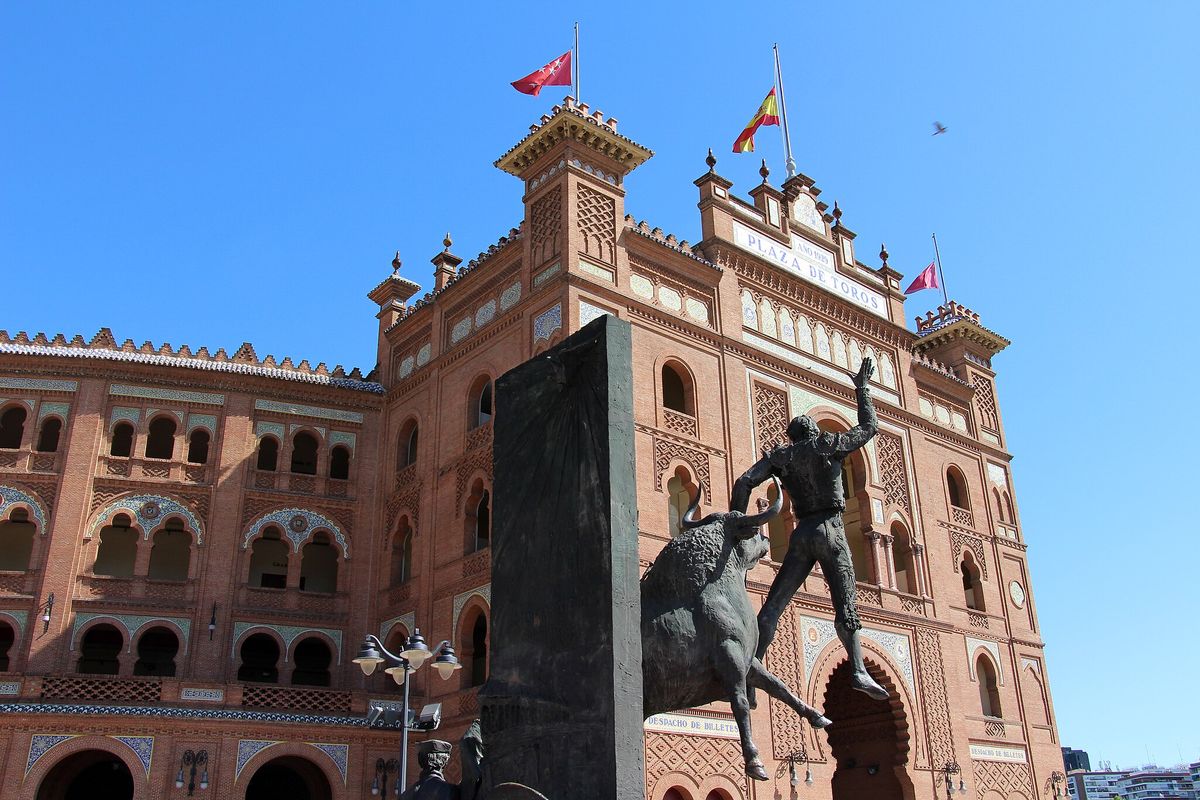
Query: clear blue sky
[[208, 173]]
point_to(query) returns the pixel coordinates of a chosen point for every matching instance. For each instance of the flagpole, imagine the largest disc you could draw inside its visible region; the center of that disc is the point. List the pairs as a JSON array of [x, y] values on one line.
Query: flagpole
[[787, 137], [942, 275], [575, 62]]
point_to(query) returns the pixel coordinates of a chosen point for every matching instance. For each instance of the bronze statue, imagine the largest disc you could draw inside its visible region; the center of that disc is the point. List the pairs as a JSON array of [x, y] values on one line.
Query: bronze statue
[[699, 633], [810, 467], [433, 755]]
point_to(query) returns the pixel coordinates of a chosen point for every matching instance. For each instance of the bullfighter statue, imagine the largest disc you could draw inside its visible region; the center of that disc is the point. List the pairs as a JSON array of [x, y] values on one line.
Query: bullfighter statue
[[433, 755], [810, 467]]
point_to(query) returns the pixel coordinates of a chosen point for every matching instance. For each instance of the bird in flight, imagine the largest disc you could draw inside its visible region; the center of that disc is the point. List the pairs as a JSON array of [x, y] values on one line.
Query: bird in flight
[[938, 128]]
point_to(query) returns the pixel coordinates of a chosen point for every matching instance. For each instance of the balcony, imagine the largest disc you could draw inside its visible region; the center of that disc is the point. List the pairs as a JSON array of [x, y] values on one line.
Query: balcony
[[295, 699], [137, 591], [294, 602], [298, 484], [125, 691], [680, 423], [154, 469], [962, 516], [21, 584], [28, 460]]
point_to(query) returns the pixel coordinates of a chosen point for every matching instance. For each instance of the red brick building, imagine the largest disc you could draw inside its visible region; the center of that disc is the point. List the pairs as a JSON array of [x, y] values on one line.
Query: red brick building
[[193, 544]]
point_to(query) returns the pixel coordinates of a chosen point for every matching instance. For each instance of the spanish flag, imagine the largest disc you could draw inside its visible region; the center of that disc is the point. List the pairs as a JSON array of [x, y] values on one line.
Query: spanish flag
[[767, 114]]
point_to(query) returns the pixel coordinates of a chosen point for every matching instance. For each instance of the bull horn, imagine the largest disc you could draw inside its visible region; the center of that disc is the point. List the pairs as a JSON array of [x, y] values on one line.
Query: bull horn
[[754, 520], [689, 520]]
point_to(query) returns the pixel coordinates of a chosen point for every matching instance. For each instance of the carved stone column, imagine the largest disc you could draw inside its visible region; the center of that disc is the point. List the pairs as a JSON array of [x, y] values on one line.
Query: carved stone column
[[889, 559], [919, 565], [877, 557]]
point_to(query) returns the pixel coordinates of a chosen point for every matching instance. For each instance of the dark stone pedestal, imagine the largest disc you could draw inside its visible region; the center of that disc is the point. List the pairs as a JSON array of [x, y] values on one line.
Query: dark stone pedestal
[[562, 709]]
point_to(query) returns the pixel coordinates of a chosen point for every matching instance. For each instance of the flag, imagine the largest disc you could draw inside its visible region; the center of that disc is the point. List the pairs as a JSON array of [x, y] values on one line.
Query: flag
[[767, 114], [926, 280], [556, 73]]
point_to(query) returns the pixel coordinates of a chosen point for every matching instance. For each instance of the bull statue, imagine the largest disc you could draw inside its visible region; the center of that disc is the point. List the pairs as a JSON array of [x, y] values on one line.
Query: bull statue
[[699, 631]]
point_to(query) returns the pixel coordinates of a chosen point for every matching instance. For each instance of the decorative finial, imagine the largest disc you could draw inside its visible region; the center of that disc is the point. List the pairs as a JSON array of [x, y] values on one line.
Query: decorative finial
[[837, 215], [764, 171], [883, 254], [396, 262], [711, 160], [447, 242]]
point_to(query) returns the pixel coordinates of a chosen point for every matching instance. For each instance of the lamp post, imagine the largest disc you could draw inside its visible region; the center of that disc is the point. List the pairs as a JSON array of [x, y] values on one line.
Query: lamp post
[[949, 770], [382, 770], [789, 761], [191, 761], [1055, 780], [415, 653]]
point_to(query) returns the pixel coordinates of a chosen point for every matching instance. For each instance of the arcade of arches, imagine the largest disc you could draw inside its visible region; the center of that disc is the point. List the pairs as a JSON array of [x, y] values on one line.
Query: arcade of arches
[[289, 778], [87, 775]]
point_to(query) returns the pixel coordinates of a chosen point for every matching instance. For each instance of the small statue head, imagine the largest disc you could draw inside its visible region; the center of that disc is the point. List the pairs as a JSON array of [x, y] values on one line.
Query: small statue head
[[434, 754], [803, 429]]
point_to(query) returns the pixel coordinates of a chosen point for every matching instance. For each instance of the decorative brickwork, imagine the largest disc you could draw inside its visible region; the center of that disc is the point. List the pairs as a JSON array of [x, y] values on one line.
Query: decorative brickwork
[[770, 416], [546, 224], [937, 705], [597, 215], [1005, 777], [477, 457], [695, 756], [102, 690], [664, 451], [677, 422], [985, 403], [890, 449], [960, 541], [783, 660], [314, 700]]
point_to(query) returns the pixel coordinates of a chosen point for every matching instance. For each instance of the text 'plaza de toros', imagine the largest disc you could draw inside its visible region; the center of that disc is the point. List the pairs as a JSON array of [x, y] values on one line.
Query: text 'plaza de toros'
[[193, 544]]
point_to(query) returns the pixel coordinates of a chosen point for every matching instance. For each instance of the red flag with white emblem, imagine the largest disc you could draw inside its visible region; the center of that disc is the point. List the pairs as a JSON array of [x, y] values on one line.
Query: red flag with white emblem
[[556, 73]]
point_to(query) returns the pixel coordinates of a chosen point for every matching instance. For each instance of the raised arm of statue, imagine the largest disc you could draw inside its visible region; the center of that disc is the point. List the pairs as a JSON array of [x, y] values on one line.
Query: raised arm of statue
[[752, 477], [841, 444]]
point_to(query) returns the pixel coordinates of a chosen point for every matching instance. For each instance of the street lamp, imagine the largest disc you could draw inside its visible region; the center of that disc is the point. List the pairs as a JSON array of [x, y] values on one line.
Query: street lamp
[[1055, 780], [951, 769], [382, 770], [790, 760], [192, 760], [415, 653]]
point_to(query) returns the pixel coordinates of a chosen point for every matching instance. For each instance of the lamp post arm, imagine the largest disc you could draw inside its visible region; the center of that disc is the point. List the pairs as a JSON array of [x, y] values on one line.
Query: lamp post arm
[[373, 639]]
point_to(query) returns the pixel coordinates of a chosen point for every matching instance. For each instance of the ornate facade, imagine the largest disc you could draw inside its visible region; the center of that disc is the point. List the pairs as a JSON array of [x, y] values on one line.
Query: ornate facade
[[193, 544]]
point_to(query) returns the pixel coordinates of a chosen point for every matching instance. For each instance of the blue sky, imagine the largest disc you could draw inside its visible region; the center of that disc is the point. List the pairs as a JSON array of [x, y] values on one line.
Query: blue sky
[[219, 172]]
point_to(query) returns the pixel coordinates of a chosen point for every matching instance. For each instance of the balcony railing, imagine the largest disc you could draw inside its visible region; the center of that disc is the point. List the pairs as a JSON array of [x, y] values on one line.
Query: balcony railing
[[678, 422], [141, 590], [154, 469], [27, 460], [18, 583], [125, 691], [293, 601], [962, 516], [296, 699], [300, 484]]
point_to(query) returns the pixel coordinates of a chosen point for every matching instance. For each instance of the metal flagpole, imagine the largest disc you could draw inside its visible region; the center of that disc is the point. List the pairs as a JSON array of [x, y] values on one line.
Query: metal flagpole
[[787, 137], [942, 275], [575, 62]]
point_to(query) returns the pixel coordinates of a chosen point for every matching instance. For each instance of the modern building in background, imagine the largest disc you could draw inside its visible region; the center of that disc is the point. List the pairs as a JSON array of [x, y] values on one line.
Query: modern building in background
[[1075, 759], [1148, 783], [193, 543]]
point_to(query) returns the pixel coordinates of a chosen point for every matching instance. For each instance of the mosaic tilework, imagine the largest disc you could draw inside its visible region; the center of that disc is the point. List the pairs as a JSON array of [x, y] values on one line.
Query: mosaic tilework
[[318, 428], [202, 695], [642, 286], [485, 314], [596, 271], [697, 310], [19, 618], [816, 633], [142, 747], [132, 623], [149, 511], [39, 384], [21, 400], [289, 634], [42, 743], [973, 646], [460, 601], [53, 409], [275, 429], [343, 437], [406, 366], [547, 323], [424, 354], [510, 296], [338, 753], [248, 749], [10, 495], [206, 421], [997, 475], [150, 412], [177, 395], [460, 330], [589, 312], [546, 274], [299, 524], [309, 411], [408, 620], [176, 712], [9, 688], [123, 413]]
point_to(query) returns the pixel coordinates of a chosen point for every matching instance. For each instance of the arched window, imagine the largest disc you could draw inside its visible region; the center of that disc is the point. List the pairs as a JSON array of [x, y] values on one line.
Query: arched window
[[989, 690], [402, 553], [677, 392], [904, 559], [675, 794], [406, 447], [198, 446], [161, 442], [7, 637], [319, 565], [478, 519], [16, 541], [304, 454], [339, 463], [156, 650], [312, 659], [1007, 505], [171, 553], [780, 527], [479, 403], [476, 656], [680, 491], [100, 651], [12, 428], [854, 484], [956, 487], [269, 561], [48, 438], [118, 549], [122, 440], [268, 454], [972, 588], [260, 659]]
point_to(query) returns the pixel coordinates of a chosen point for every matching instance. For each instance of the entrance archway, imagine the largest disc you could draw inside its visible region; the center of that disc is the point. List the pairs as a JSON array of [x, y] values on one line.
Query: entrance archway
[[289, 778], [87, 775], [869, 740]]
